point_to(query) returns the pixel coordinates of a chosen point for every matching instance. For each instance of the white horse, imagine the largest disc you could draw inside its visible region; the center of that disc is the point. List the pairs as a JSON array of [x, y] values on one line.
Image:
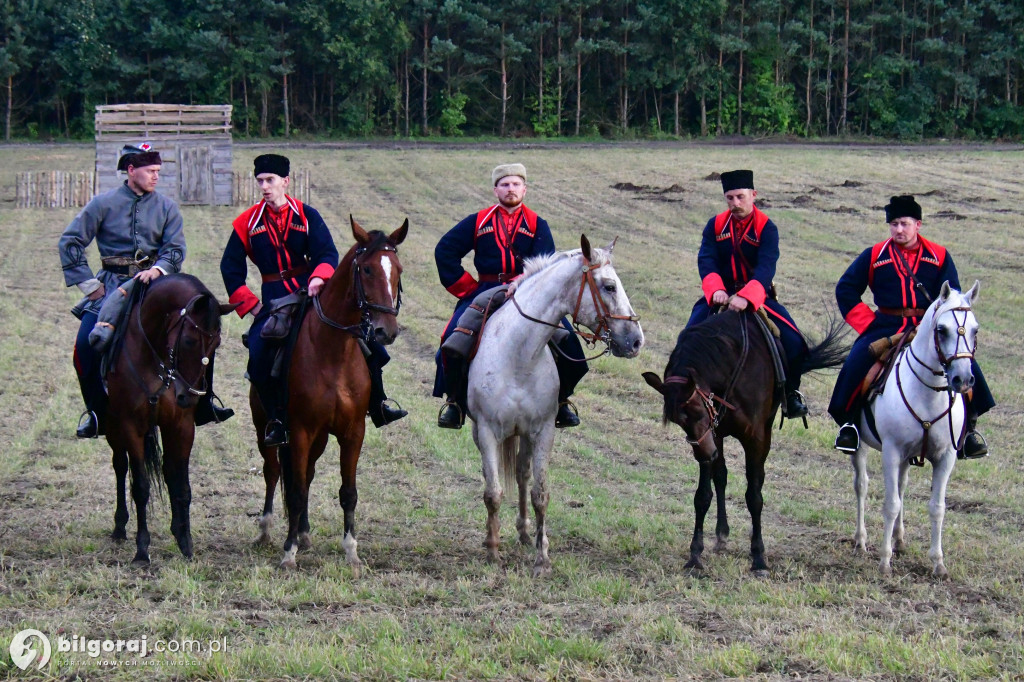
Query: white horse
[[920, 414], [513, 383]]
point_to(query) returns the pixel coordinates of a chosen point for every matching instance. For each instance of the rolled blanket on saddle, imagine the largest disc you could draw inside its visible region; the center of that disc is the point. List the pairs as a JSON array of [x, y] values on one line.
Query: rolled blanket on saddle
[[464, 338]]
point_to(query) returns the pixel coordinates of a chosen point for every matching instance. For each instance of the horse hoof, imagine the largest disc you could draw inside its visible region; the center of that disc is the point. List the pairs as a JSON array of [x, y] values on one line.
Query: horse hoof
[[357, 569], [542, 570], [721, 545], [140, 561], [694, 566], [886, 569], [289, 565], [525, 539], [493, 555], [305, 542], [262, 541], [761, 573], [119, 535], [940, 572]]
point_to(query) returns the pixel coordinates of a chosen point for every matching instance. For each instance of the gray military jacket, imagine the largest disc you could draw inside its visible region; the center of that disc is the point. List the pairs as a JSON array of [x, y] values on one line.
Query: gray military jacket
[[126, 225]]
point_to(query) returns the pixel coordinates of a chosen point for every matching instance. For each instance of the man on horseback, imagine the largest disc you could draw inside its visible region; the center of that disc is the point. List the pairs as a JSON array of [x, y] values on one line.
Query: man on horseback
[[905, 274], [293, 248], [501, 237], [140, 236], [738, 252]]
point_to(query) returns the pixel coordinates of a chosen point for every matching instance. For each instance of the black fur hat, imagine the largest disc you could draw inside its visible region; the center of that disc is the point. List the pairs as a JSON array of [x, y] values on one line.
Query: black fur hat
[[902, 206], [737, 179], [142, 155], [271, 163]]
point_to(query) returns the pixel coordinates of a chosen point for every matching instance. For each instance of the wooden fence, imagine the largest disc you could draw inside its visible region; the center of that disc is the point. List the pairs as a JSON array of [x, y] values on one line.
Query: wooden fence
[[245, 191], [54, 189]]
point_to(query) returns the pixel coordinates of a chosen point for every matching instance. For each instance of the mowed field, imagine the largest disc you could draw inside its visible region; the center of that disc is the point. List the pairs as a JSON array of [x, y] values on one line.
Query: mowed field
[[619, 604]]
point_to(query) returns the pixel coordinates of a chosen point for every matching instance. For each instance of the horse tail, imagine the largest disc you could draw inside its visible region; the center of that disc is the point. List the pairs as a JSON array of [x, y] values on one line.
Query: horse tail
[[509, 461], [153, 460], [833, 349]]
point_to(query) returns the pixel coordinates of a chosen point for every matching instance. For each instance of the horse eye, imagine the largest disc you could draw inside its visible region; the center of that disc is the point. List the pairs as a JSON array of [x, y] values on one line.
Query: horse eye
[[366, 270], [610, 287]]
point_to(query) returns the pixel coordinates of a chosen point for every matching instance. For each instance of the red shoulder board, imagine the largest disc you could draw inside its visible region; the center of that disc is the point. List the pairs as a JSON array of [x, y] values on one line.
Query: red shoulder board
[[531, 220], [721, 220], [244, 223], [876, 251], [933, 252], [760, 220]]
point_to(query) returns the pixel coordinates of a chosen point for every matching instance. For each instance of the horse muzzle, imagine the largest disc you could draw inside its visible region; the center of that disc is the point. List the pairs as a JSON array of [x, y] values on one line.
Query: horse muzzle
[[628, 342], [962, 384], [386, 334]]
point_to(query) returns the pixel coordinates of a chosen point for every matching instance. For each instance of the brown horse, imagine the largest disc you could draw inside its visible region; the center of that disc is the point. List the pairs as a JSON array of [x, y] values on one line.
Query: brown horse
[[720, 381], [329, 384], [154, 383]]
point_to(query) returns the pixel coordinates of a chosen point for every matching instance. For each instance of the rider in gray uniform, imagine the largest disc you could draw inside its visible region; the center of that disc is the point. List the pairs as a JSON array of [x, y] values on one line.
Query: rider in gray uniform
[[139, 235]]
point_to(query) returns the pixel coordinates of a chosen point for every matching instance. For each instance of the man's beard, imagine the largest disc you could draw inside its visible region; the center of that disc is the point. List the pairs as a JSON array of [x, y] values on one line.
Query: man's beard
[[510, 202]]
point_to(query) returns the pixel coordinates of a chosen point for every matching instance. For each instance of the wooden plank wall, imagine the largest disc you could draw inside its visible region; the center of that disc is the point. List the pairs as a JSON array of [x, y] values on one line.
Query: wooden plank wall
[[245, 191], [194, 142], [53, 189]]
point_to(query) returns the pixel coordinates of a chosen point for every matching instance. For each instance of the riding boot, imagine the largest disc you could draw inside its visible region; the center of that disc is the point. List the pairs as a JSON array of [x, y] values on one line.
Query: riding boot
[[380, 412], [92, 423], [795, 408], [270, 395], [848, 439], [206, 411], [975, 445], [571, 367], [453, 413]]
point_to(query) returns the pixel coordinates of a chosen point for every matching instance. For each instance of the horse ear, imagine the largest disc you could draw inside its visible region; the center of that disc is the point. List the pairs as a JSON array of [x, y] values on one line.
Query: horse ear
[[226, 308], [611, 246], [944, 291], [398, 236], [585, 247], [357, 231], [972, 295], [654, 381]]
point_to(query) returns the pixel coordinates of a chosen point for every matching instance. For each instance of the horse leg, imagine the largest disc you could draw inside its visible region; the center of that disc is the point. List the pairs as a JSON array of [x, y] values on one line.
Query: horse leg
[[899, 540], [755, 503], [859, 461], [140, 494], [296, 492], [488, 446], [177, 448], [120, 462], [891, 462], [271, 476], [317, 449], [701, 504], [523, 466], [941, 471], [348, 496], [537, 452], [720, 476]]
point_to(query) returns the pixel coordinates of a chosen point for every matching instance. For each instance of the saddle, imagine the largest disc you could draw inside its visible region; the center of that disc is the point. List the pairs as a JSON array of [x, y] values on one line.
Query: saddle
[[465, 338], [885, 350]]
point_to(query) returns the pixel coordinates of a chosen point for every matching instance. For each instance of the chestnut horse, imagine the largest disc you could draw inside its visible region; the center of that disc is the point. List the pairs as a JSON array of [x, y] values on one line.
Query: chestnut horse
[[156, 378], [329, 384], [720, 381]]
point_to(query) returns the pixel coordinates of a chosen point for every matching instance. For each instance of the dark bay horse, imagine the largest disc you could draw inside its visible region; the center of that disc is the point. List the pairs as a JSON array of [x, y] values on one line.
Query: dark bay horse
[[329, 384], [154, 383], [720, 381]]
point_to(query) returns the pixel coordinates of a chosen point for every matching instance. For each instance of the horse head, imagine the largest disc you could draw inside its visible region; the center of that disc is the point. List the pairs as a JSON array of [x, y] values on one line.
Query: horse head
[[950, 331], [689, 407], [377, 274], [180, 320], [607, 310]]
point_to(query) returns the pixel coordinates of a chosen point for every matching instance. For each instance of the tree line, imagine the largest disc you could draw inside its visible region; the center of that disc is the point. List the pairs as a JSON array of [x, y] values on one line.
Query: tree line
[[904, 69]]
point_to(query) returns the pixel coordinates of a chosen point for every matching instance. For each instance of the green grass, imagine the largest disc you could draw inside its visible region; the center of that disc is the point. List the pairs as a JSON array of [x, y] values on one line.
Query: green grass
[[619, 603]]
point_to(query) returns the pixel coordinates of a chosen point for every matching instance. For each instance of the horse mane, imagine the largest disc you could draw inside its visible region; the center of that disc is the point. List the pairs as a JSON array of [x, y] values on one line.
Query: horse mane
[[708, 345], [206, 312], [535, 264]]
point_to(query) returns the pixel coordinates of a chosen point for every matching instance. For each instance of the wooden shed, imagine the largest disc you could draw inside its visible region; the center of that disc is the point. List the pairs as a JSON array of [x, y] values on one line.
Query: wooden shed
[[194, 142]]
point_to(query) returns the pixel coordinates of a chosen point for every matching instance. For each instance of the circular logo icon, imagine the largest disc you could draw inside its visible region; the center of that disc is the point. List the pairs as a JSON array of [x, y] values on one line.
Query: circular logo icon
[[25, 649]]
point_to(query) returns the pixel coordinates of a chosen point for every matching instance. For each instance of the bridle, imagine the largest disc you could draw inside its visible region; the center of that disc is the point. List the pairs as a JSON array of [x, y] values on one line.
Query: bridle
[[602, 331], [945, 362], [167, 365], [363, 330]]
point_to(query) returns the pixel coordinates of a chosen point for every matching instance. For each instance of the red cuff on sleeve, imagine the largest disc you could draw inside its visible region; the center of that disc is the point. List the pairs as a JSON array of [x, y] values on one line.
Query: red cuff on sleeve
[[711, 284], [323, 271], [464, 285], [753, 292], [247, 298], [860, 317]]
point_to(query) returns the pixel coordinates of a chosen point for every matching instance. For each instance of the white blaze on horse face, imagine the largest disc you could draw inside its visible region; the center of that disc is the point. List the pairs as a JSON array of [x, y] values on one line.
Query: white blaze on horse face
[[385, 265]]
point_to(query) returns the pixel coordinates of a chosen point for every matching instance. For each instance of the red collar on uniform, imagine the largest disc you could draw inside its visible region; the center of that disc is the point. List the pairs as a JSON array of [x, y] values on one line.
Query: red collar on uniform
[[250, 218]]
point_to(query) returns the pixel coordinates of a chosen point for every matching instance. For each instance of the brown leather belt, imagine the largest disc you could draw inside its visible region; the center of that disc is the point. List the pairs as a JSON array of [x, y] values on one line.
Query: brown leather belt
[[500, 277], [126, 265], [903, 312], [287, 274]]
